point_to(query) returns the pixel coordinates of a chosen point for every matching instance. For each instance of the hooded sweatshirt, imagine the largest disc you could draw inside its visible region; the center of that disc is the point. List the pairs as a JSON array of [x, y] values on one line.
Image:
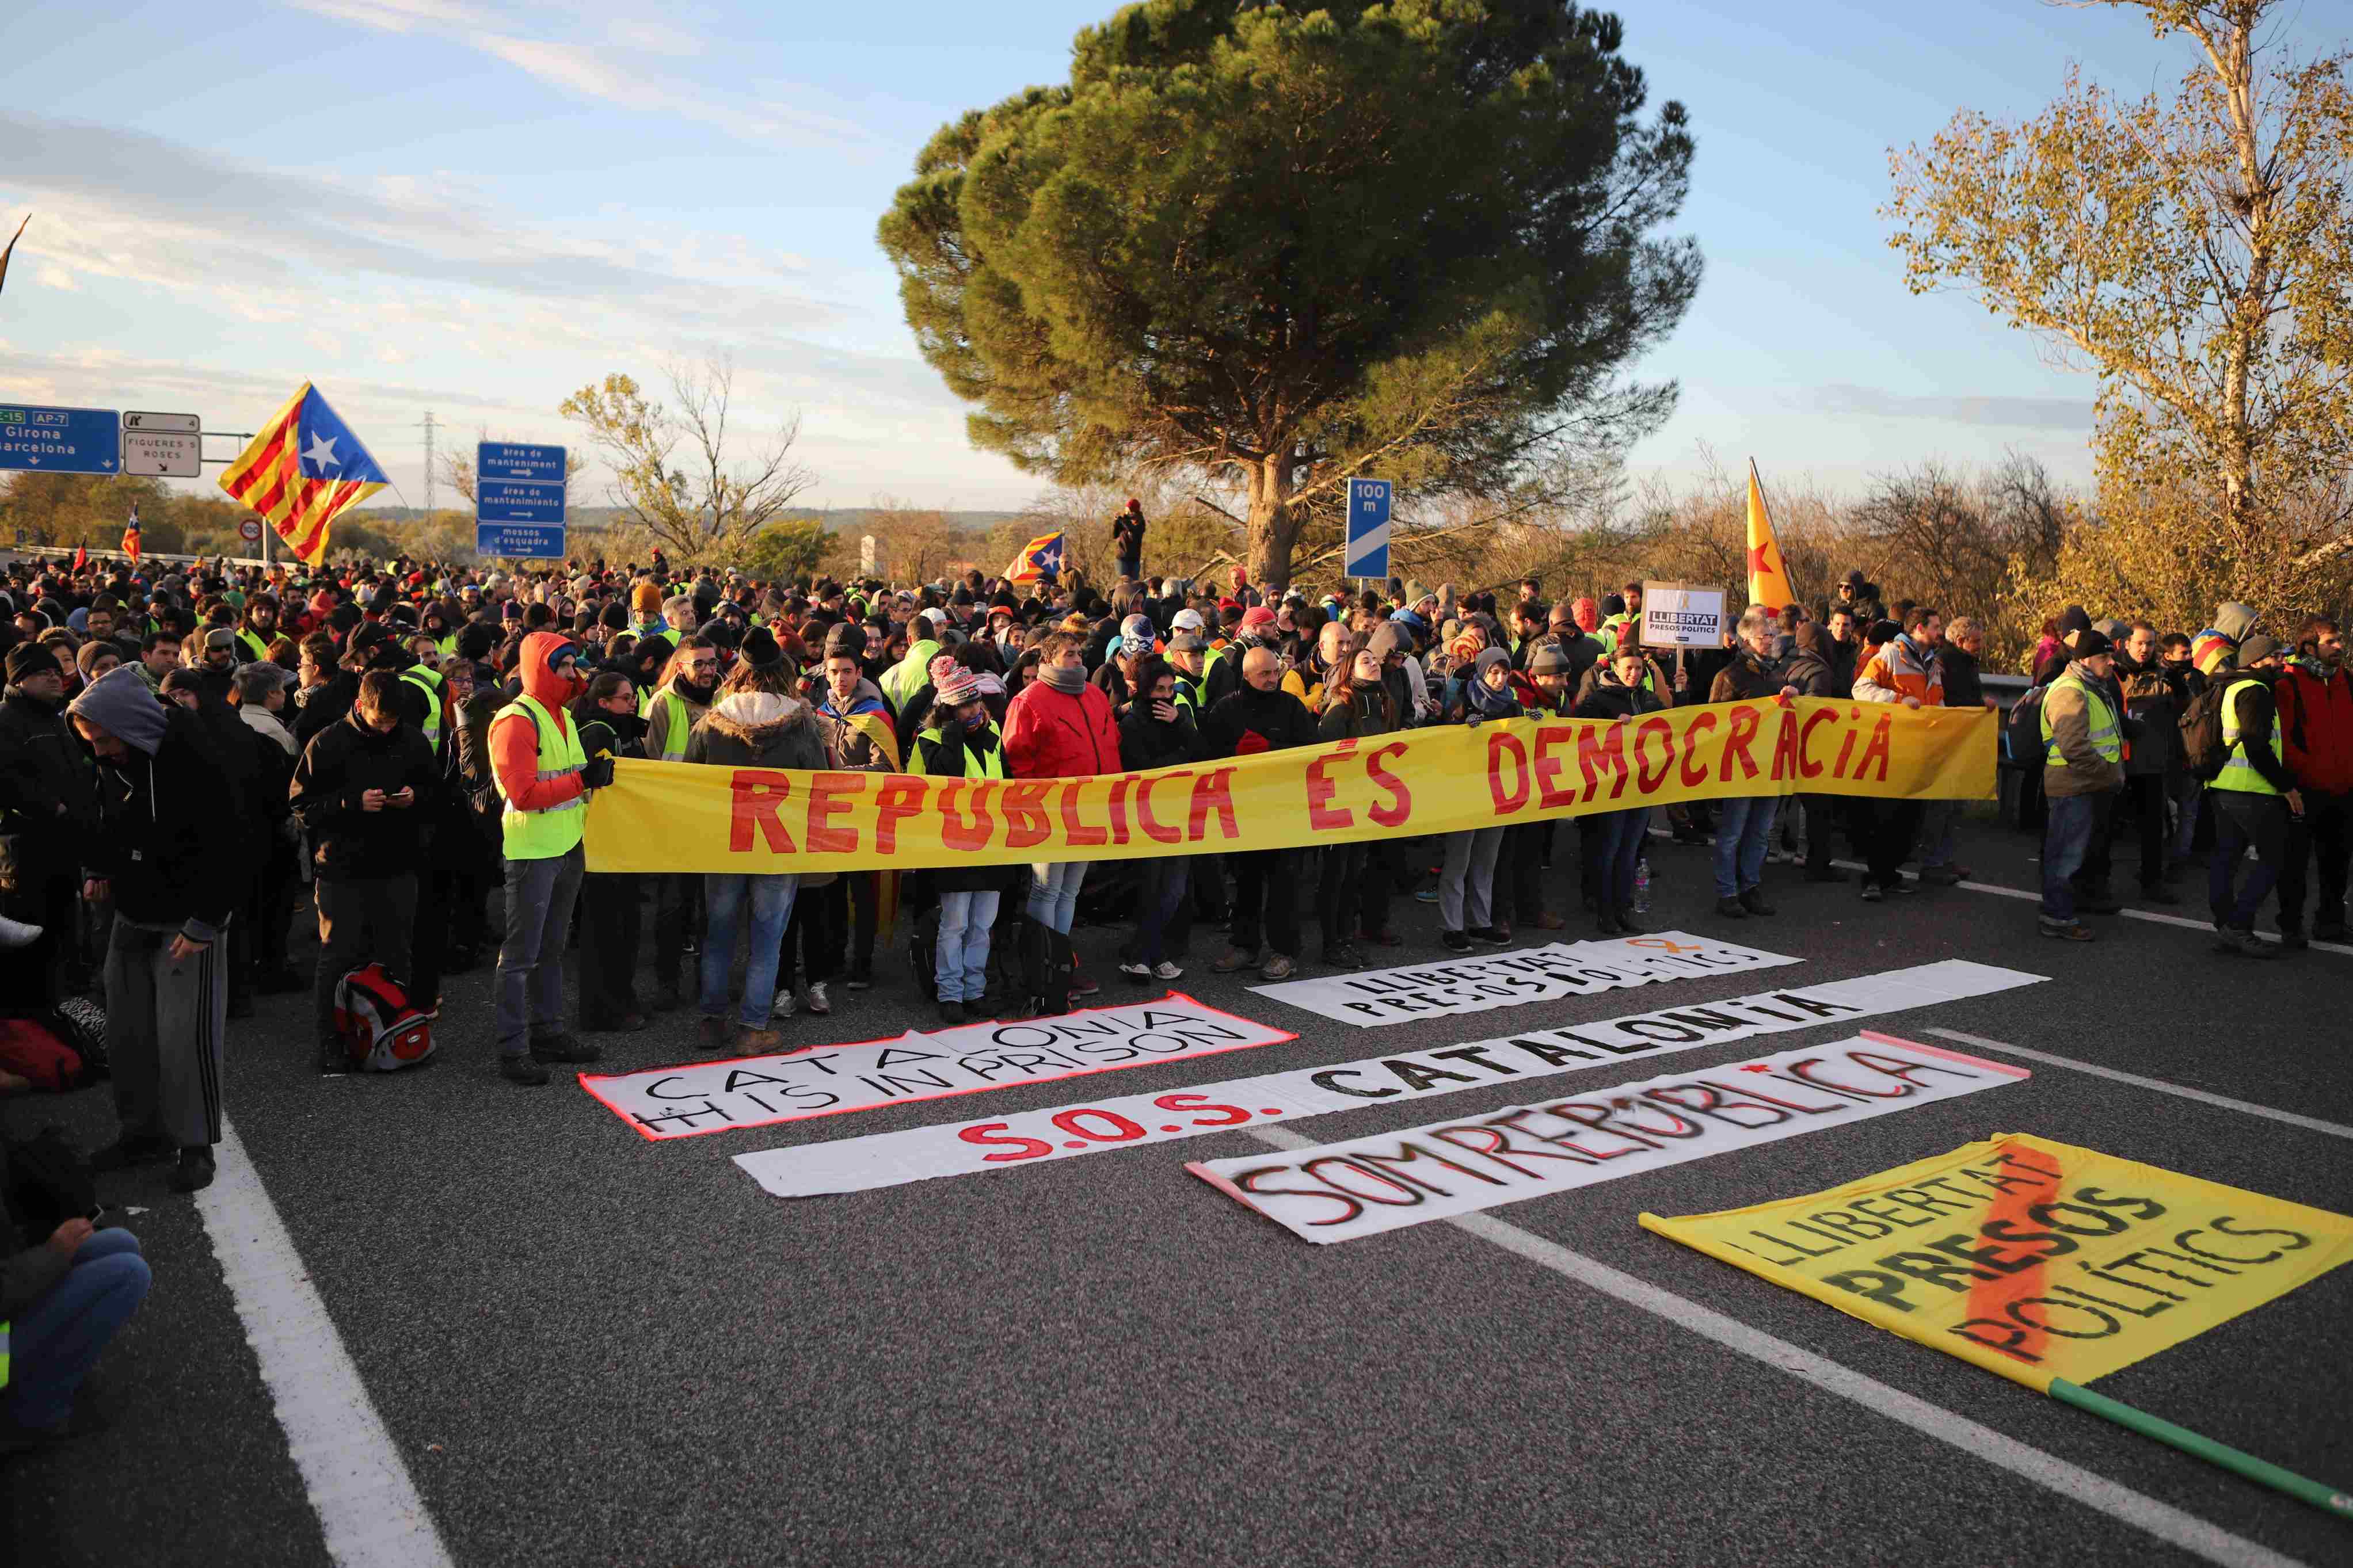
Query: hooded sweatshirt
[[2218, 644], [170, 865], [514, 741], [758, 729]]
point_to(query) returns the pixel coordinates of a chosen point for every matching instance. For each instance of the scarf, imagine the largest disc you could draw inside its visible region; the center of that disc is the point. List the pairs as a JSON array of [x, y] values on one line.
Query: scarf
[[1068, 680], [1487, 702]]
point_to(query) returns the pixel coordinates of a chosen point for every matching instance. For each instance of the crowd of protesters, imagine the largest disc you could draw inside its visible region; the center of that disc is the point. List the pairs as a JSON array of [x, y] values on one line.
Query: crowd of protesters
[[190, 755]]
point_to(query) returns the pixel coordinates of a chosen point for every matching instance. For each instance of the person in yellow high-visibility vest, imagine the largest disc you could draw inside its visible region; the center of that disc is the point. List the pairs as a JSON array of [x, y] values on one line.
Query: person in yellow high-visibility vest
[[544, 778], [2084, 749], [2254, 796], [60, 1302]]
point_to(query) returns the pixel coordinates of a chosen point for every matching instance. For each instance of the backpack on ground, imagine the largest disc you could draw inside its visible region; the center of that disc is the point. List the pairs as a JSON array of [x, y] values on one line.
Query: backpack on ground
[[2202, 749], [924, 952], [381, 1028], [1048, 969]]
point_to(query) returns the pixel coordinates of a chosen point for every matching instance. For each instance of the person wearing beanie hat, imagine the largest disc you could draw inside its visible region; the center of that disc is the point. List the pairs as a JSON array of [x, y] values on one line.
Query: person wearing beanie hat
[[2255, 797], [2083, 733], [1586, 614], [173, 875]]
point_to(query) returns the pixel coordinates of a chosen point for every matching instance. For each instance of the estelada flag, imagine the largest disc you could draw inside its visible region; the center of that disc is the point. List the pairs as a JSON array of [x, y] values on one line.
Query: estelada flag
[[301, 471], [2039, 1260], [1768, 579], [1040, 558]]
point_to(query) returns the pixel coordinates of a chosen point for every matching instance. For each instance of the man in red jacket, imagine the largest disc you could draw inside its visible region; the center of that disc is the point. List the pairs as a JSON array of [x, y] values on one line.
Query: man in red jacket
[[1059, 727], [2316, 727]]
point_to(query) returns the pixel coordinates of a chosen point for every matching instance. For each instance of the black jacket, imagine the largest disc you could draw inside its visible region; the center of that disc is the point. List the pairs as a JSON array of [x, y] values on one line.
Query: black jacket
[[42, 767], [1251, 720], [162, 847], [336, 769], [1609, 697], [940, 754], [1964, 680], [1147, 742]]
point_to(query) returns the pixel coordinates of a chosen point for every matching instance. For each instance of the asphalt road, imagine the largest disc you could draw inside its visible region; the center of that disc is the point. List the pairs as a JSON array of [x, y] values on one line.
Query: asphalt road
[[586, 1347]]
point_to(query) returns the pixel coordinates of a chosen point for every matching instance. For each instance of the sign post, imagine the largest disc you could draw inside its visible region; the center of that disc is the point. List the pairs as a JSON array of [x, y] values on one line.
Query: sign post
[[60, 440], [1367, 552], [519, 501]]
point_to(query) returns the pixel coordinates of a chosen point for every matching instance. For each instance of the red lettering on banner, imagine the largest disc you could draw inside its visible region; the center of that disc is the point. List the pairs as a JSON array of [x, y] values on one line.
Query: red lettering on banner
[[1702, 722], [973, 833], [1549, 794], [829, 796], [1785, 745], [758, 800], [1075, 832], [1736, 742], [1154, 828], [1880, 736], [1499, 743], [1400, 804], [1119, 788], [1807, 766], [1838, 771], [1664, 730], [1607, 754], [900, 797], [1024, 805], [1321, 790], [1212, 792]]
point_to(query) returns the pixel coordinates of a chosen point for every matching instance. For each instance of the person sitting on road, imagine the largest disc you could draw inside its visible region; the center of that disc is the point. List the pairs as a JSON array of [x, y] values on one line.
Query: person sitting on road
[[63, 1295]]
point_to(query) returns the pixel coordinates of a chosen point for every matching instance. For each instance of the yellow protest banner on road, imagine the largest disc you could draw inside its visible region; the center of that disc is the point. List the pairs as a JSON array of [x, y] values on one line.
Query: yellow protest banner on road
[[677, 816], [2039, 1260]]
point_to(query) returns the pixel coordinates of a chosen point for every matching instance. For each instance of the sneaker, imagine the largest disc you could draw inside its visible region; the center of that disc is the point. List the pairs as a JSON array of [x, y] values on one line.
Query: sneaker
[[952, 1016], [1233, 959], [818, 1002], [1084, 985], [1734, 909], [1166, 970], [1139, 973], [194, 1174], [860, 979], [1426, 896], [2294, 941], [1493, 936], [710, 1034], [2245, 943], [1278, 967], [522, 1069], [752, 1042], [1454, 940], [783, 1005], [564, 1047], [1940, 876], [1752, 900], [1342, 955], [2074, 931], [1874, 893], [124, 1153]]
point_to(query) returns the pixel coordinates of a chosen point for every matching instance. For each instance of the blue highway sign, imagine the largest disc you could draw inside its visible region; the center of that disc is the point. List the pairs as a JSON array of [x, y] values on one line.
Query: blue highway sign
[[514, 460], [61, 440], [1367, 553], [521, 542], [518, 501]]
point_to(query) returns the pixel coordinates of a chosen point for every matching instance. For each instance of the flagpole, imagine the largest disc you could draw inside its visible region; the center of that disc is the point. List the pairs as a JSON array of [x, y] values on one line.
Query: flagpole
[[2326, 1499]]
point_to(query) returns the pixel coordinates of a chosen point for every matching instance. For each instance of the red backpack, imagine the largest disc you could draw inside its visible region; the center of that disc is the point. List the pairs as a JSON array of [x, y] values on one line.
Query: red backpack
[[382, 1030]]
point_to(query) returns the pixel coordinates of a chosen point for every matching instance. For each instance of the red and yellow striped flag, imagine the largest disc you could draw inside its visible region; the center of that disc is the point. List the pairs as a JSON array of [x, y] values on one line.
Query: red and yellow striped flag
[[301, 471]]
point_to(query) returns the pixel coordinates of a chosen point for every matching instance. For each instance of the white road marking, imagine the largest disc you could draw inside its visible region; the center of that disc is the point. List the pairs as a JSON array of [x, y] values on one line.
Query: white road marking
[[2153, 916], [2161, 1520], [367, 1507], [2333, 1128]]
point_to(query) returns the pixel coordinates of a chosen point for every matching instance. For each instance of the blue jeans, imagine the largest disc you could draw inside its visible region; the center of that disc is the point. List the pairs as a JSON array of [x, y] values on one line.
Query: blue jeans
[[1744, 831], [1160, 888], [1940, 833], [725, 894], [2066, 835], [2245, 820], [1054, 893], [1615, 841], [54, 1342], [2186, 791], [960, 969]]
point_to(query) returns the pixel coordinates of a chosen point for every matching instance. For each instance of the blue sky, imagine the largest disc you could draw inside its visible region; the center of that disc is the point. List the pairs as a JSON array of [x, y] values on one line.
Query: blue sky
[[476, 206]]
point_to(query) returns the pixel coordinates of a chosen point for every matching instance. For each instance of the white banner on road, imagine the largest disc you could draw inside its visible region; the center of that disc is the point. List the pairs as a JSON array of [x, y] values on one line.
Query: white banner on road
[[1127, 1122], [753, 1091], [1337, 1192], [1417, 992]]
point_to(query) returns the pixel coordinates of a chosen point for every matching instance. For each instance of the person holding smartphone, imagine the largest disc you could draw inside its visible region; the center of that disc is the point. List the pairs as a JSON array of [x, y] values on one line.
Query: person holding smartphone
[[355, 792]]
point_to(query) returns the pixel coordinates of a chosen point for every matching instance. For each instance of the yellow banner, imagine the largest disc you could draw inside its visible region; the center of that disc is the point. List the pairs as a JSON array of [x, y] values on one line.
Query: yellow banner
[[681, 816], [2034, 1259]]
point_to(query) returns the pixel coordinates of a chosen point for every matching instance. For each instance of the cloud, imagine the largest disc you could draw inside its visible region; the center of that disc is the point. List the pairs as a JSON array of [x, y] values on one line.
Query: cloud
[[2068, 413], [55, 277], [557, 46]]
